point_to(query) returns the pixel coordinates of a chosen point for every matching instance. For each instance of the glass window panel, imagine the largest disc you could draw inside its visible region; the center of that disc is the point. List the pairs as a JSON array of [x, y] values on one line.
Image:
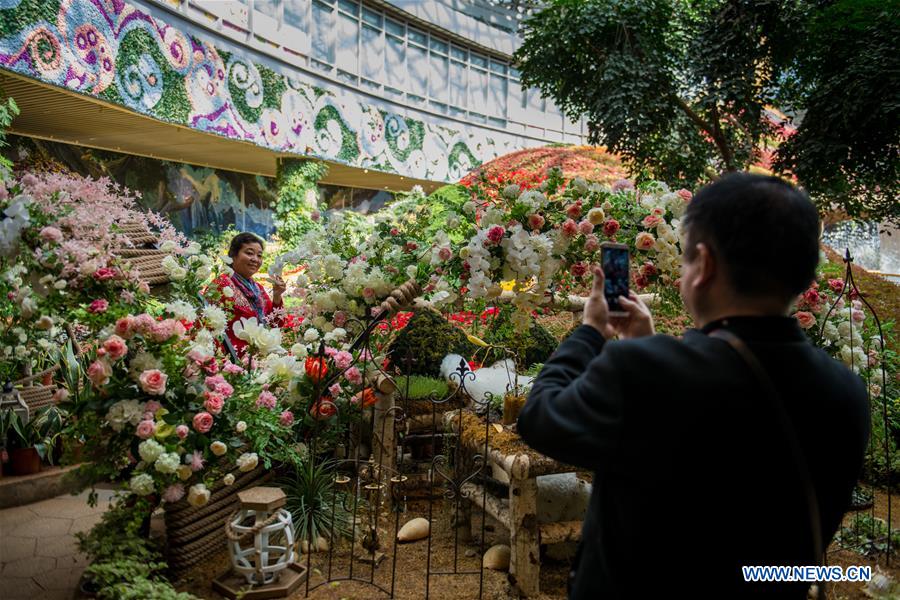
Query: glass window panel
[[373, 53], [417, 37], [515, 95], [394, 27], [535, 101], [295, 12], [498, 67], [458, 53], [497, 96], [417, 62], [371, 17], [514, 73], [439, 46], [437, 88], [267, 7], [348, 39], [395, 62], [349, 6], [478, 61], [457, 83], [478, 84], [322, 29]]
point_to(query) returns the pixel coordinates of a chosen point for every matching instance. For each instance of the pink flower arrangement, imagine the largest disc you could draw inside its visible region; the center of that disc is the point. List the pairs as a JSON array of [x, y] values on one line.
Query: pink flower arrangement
[[586, 227], [286, 418], [153, 382], [266, 399], [343, 360], [99, 305], [146, 429], [570, 228], [99, 372], [610, 228], [214, 402]]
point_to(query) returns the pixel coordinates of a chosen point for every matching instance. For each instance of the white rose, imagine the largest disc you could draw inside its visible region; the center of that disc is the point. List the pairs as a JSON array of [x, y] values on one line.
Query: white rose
[[184, 472], [193, 248], [168, 246], [198, 495], [178, 274], [311, 334], [215, 318], [299, 350], [228, 479], [247, 461], [60, 284], [218, 448], [240, 427]]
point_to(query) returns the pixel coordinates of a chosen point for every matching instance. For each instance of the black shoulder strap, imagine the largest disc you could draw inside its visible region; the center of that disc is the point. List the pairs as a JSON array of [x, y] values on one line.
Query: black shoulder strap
[[790, 436]]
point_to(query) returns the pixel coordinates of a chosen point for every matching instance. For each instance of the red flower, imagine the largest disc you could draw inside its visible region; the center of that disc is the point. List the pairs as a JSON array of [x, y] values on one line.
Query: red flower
[[105, 273], [610, 228], [836, 285], [367, 397], [495, 234], [322, 409], [316, 369]]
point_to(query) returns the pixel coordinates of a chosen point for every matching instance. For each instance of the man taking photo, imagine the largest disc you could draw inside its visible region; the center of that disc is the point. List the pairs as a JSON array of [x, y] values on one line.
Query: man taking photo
[[736, 445]]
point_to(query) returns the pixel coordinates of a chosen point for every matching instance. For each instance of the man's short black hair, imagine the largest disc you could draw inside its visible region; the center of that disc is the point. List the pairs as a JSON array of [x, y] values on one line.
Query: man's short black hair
[[241, 240], [764, 231]]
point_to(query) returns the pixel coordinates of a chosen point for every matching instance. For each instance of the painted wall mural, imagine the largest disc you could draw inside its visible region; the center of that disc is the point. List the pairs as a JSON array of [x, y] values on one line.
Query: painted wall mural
[[115, 51]]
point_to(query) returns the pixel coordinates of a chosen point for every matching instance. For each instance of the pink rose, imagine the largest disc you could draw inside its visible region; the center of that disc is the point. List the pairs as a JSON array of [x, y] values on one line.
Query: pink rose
[[60, 395], [144, 287], [445, 254], [368, 293], [495, 234], [99, 372], [648, 269], [153, 382], [857, 315], [217, 383], [836, 285], [340, 318], [105, 274], [266, 400], [232, 369], [151, 406], [806, 319], [536, 221], [579, 269], [214, 402], [146, 429], [591, 243], [182, 431], [203, 422], [686, 195], [98, 306], [51, 234], [125, 327], [573, 211], [286, 418], [610, 228], [335, 390], [586, 227], [644, 241], [395, 231], [143, 323], [343, 360], [651, 221], [353, 375], [570, 228], [115, 347]]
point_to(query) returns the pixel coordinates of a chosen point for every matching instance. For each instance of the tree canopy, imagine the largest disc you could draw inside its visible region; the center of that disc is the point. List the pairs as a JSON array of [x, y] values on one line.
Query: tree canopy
[[679, 88]]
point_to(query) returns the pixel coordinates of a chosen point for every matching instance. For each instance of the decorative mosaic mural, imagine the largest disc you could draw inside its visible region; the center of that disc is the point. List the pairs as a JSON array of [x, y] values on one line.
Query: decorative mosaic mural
[[113, 50]]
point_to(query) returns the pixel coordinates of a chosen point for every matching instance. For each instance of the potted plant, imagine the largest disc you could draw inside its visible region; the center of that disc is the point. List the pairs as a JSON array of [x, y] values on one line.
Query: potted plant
[[30, 442]]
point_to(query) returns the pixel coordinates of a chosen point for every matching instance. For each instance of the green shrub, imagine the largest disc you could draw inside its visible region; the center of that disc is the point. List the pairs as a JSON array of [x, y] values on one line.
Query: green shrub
[[317, 508], [419, 348], [527, 347]]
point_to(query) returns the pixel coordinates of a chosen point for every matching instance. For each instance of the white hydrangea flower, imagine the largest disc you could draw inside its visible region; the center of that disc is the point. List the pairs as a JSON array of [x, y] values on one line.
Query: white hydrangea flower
[[181, 310], [150, 450], [124, 412], [142, 484], [167, 463], [215, 318]]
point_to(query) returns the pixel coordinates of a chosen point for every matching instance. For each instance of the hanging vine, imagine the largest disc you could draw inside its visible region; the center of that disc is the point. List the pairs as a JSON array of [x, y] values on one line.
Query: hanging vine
[[298, 197]]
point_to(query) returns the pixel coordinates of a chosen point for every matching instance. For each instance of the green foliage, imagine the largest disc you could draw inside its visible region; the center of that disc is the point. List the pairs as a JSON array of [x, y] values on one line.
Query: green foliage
[[679, 88], [142, 588], [297, 198], [317, 508], [416, 387], [420, 347], [868, 534], [528, 348], [8, 111], [847, 80], [40, 432]]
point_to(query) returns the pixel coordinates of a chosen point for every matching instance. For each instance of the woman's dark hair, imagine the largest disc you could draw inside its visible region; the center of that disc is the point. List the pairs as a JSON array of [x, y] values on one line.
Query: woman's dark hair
[[241, 240], [763, 230]]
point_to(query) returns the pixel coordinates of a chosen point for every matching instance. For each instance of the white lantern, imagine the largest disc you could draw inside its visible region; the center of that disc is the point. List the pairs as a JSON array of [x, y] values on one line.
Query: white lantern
[[260, 519]]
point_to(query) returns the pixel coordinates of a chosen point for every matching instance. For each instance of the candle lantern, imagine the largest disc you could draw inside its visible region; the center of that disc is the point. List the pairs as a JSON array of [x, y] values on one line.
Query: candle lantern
[[261, 545]]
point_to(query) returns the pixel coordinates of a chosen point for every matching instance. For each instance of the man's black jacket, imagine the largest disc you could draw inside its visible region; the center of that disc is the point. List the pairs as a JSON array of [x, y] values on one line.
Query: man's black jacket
[[692, 477]]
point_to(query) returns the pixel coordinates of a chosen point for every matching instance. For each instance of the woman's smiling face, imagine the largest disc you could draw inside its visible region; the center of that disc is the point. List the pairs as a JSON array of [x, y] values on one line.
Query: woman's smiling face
[[248, 260]]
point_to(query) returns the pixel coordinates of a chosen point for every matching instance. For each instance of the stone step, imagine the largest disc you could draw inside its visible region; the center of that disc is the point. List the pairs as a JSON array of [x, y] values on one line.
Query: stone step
[[25, 489]]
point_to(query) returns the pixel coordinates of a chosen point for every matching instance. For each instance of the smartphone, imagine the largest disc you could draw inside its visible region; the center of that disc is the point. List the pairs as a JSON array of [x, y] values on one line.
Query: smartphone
[[614, 259]]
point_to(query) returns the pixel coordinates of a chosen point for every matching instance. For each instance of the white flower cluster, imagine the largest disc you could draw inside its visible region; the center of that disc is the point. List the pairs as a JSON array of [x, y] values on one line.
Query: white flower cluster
[[124, 412], [215, 319], [479, 259], [266, 341], [181, 310], [11, 227], [281, 368], [527, 255]]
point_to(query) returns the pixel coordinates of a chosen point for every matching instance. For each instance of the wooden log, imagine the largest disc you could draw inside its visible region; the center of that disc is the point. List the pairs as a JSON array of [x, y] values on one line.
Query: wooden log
[[524, 537], [563, 531], [487, 502]]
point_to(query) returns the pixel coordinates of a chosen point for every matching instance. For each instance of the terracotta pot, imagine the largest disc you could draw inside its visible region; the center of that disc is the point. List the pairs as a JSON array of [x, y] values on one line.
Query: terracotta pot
[[25, 461]]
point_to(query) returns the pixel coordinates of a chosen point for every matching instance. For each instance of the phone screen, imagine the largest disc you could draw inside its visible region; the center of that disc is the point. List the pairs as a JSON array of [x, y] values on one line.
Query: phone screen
[[615, 268]]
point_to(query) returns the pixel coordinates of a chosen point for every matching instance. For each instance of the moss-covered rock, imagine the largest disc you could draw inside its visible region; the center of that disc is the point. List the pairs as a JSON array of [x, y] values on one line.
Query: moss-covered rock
[[419, 348]]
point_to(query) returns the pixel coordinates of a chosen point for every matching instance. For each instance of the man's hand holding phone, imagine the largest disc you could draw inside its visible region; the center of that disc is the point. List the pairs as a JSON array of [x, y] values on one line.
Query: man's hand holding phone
[[636, 322]]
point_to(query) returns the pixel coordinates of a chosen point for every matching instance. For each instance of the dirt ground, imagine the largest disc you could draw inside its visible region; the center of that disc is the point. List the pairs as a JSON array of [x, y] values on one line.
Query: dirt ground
[[411, 560]]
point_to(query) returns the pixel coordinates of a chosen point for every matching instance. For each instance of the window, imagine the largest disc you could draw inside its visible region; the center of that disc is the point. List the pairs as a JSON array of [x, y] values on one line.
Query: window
[[497, 94], [417, 63], [457, 83], [478, 84], [349, 6], [322, 32], [438, 75], [295, 13], [395, 28], [267, 7], [348, 42], [395, 62], [372, 58]]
